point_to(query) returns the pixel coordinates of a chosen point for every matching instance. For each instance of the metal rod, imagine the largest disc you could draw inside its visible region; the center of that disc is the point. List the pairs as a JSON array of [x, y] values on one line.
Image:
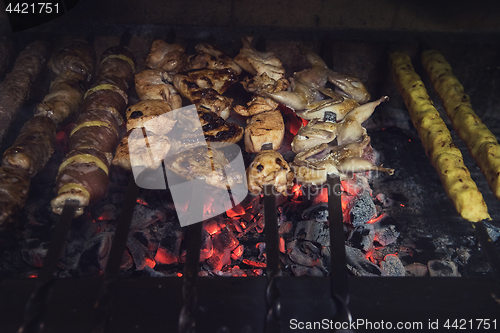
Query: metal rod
[[487, 246], [102, 307], [338, 271], [33, 317], [273, 268]]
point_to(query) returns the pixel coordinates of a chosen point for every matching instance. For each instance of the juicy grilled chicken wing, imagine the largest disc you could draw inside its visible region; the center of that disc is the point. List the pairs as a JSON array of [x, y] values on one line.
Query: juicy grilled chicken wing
[[167, 57]]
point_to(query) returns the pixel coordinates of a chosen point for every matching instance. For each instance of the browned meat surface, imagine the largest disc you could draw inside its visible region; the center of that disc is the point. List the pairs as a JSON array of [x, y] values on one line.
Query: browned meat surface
[[83, 175], [170, 58], [210, 57], [14, 186], [6, 52], [15, 89], [33, 147]]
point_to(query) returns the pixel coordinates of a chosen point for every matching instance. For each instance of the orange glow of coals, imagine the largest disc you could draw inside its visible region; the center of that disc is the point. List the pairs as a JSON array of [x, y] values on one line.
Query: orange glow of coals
[[212, 228], [33, 276], [179, 274], [238, 252], [376, 219], [296, 191], [150, 263], [323, 195], [254, 263], [235, 211], [142, 202]]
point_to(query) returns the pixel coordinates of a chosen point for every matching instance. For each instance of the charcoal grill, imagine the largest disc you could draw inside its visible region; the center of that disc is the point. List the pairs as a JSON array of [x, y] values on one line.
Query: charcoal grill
[[112, 303]]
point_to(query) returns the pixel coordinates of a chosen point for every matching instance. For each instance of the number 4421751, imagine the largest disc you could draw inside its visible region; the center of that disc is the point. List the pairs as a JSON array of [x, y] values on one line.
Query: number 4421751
[[471, 324], [33, 8]]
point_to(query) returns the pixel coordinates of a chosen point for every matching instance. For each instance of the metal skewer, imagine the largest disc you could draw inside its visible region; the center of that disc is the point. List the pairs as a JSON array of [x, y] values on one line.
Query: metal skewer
[[33, 317]]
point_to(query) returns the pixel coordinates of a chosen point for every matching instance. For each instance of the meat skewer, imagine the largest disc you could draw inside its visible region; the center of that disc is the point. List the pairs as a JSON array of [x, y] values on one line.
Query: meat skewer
[[6, 51], [437, 141], [15, 89], [35, 143], [84, 173]]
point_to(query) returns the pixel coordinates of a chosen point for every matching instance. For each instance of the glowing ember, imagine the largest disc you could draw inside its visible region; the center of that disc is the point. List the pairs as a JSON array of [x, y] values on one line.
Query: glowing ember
[[142, 202], [378, 218], [254, 263]]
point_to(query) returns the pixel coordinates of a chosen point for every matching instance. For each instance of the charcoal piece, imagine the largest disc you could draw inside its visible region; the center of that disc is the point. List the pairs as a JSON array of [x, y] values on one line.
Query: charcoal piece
[[317, 212], [416, 269], [392, 266], [223, 242], [34, 251], [385, 234], [363, 210], [304, 253], [138, 251], [145, 216], [207, 249], [313, 231], [359, 265], [169, 247], [442, 268], [493, 231], [96, 251], [362, 237]]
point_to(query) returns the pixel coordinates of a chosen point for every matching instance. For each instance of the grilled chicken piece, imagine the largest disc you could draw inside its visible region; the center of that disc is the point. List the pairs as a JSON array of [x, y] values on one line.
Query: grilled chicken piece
[[215, 130], [210, 57], [266, 127], [346, 131], [309, 97], [140, 114], [258, 103], [204, 88], [258, 63], [204, 163], [269, 168], [153, 84], [167, 57]]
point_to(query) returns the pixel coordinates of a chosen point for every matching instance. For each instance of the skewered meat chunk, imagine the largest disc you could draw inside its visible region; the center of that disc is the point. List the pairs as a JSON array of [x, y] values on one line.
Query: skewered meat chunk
[[204, 163], [437, 141], [210, 57], [14, 188], [266, 127], [269, 168], [83, 175], [6, 52], [258, 63], [152, 84], [15, 88], [35, 143], [481, 143], [167, 57], [33, 147]]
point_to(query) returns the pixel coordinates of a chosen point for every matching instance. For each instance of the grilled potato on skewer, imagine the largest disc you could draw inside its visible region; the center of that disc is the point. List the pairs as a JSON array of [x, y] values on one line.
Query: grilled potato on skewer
[[436, 139], [482, 144]]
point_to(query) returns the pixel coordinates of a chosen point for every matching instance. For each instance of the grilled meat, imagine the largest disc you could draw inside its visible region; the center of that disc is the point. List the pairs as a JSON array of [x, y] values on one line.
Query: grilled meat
[[153, 84], [14, 188], [6, 52], [15, 88], [258, 63], [265, 127], [210, 57], [170, 58], [269, 168], [204, 163], [83, 175]]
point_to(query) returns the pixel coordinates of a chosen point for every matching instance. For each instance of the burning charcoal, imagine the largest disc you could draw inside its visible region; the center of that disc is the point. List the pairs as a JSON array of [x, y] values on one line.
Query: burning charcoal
[[385, 201], [493, 231], [313, 231], [224, 242], [416, 269], [442, 268], [207, 249], [262, 250], [96, 251], [168, 250], [392, 266], [304, 253], [363, 210], [385, 234], [34, 251], [138, 250], [318, 213], [463, 255], [362, 237], [299, 270], [105, 213], [237, 253], [211, 226], [145, 216], [285, 227], [359, 265], [149, 272]]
